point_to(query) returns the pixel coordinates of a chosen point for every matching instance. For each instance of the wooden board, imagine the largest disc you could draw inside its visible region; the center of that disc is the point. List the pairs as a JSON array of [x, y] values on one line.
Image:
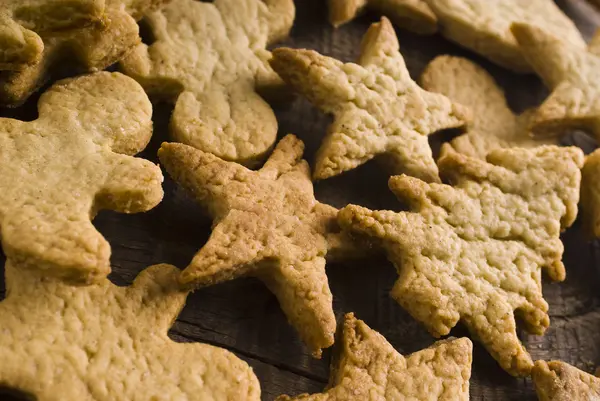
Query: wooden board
[[244, 317]]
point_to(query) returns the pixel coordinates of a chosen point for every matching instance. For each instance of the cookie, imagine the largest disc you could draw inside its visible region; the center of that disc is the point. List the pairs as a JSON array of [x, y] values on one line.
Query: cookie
[[559, 381], [414, 15], [21, 22], [590, 194], [378, 109], [369, 368], [104, 342], [210, 58], [92, 48], [474, 252], [570, 72], [483, 26], [57, 171], [267, 224], [494, 125]]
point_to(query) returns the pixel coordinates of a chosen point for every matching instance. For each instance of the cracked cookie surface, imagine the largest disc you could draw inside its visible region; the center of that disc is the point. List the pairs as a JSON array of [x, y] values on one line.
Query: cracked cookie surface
[[57, 171], [211, 59], [559, 381], [267, 224], [369, 368], [378, 109], [474, 252], [105, 343]]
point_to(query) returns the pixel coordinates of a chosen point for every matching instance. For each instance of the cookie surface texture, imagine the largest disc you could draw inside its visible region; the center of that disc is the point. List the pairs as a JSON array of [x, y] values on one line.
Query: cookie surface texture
[[91, 48], [369, 368], [493, 125], [414, 15], [378, 109], [559, 381], [105, 343], [570, 72], [474, 252], [59, 170], [212, 58], [483, 26], [267, 224], [22, 22]]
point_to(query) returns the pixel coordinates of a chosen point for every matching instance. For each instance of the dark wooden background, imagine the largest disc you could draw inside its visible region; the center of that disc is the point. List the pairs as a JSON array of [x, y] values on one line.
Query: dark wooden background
[[243, 316]]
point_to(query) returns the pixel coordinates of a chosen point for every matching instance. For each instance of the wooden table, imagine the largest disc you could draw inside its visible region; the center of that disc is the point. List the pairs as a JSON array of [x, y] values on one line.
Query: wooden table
[[244, 317]]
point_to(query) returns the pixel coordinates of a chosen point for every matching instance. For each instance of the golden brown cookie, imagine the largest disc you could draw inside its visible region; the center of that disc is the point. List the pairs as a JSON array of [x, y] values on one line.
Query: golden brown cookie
[[109, 343], [210, 58], [378, 109], [369, 368], [494, 124], [91, 48], [484, 26], [474, 252], [414, 15], [571, 73], [590, 194], [267, 224], [57, 171], [559, 381], [22, 20]]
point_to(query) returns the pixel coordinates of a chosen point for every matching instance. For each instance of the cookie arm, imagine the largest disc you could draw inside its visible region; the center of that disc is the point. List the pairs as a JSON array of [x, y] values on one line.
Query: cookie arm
[[280, 17], [19, 46], [343, 11], [132, 185], [285, 157]]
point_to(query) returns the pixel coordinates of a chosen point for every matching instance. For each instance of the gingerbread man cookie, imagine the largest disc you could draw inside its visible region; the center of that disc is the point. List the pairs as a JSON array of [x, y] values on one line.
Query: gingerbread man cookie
[[211, 59], [57, 171]]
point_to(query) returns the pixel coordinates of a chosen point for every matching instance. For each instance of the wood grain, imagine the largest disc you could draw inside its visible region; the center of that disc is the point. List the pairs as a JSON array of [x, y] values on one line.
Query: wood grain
[[244, 317]]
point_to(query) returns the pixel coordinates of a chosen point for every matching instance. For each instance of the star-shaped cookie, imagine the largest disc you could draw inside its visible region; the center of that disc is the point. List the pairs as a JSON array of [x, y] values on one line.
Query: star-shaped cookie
[[571, 73], [22, 21], [474, 252], [210, 58], [91, 48], [267, 224], [58, 171], [109, 343], [369, 368], [494, 124], [378, 109], [414, 15], [484, 26], [559, 381]]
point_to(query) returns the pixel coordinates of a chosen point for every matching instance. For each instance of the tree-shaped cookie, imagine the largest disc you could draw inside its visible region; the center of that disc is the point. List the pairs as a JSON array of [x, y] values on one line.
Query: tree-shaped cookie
[[474, 252], [494, 124], [22, 20], [109, 343], [59, 170], [267, 224], [378, 109], [91, 48], [559, 381], [369, 368], [571, 73], [211, 57], [414, 15], [484, 26]]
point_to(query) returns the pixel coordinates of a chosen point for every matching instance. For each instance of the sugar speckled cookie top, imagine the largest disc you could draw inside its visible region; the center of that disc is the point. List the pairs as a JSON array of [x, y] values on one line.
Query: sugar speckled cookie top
[[211, 57], [484, 26], [378, 109], [267, 224], [559, 381], [109, 343], [474, 252], [57, 171], [493, 125], [22, 20], [414, 15], [369, 368]]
